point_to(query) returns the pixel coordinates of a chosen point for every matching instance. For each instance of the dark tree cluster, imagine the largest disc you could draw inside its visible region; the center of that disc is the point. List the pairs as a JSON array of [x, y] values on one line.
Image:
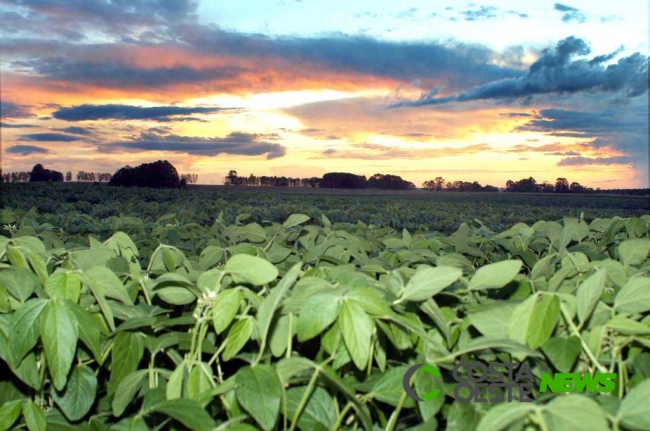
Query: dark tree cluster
[[160, 174], [530, 185], [438, 184], [343, 180], [389, 182], [92, 176], [190, 178], [40, 174], [16, 177], [232, 179]]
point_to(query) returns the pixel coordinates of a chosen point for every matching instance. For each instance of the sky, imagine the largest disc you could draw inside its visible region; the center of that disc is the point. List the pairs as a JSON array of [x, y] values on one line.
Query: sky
[[471, 91]]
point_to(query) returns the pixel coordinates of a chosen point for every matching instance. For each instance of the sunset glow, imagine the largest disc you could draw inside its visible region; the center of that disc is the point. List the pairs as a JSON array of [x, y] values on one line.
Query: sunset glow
[[485, 92]]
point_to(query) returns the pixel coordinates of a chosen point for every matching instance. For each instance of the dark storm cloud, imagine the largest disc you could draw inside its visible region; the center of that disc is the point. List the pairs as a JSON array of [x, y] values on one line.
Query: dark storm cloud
[[15, 110], [15, 125], [116, 73], [461, 63], [105, 65], [127, 112], [570, 13], [48, 137], [582, 161], [555, 72], [25, 150], [560, 122], [239, 143]]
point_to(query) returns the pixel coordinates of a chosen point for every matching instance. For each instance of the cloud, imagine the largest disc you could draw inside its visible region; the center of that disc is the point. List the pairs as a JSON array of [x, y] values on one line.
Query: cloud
[[126, 19], [569, 123], [48, 137], [239, 143], [515, 114], [483, 12], [15, 125], [127, 112], [372, 151], [570, 13], [25, 150], [208, 59], [77, 130], [582, 161], [555, 72], [15, 110]]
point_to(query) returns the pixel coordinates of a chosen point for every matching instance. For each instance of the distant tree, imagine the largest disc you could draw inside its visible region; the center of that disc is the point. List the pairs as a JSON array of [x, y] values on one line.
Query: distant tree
[[40, 174], [160, 174], [561, 185], [389, 182], [231, 178], [68, 176], [343, 180]]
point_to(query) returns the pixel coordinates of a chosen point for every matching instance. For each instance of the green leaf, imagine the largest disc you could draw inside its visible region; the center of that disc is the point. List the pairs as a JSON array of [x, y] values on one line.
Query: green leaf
[[388, 388], [504, 415], [186, 411], [79, 395], [634, 297], [429, 281], [252, 232], [19, 282], [562, 352], [543, 319], [495, 275], [225, 308], [175, 295], [318, 312], [126, 391], [238, 336], [89, 332], [589, 293], [128, 349], [357, 329], [634, 410], [9, 412], [24, 328], [319, 412], [34, 416], [520, 320], [462, 417], [633, 251], [628, 326], [369, 300], [295, 220], [110, 285], [251, 269], [425, 383], [259, 391], [575, 412], [64, 284], [493, 321], [168, 259], [59, 333], [272, 302]]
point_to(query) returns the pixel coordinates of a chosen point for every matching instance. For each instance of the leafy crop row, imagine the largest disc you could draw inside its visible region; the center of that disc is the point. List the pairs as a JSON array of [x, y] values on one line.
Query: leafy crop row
[[311, 325]]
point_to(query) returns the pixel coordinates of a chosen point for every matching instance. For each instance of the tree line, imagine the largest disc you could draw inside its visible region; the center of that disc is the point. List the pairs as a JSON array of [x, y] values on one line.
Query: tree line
[[40, 174], [525, 185], [339, 180]]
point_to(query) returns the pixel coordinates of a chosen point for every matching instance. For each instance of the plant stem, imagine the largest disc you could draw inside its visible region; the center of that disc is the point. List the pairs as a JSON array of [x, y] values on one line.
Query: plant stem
[[582, 340], [393, 418], [305, 397]]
